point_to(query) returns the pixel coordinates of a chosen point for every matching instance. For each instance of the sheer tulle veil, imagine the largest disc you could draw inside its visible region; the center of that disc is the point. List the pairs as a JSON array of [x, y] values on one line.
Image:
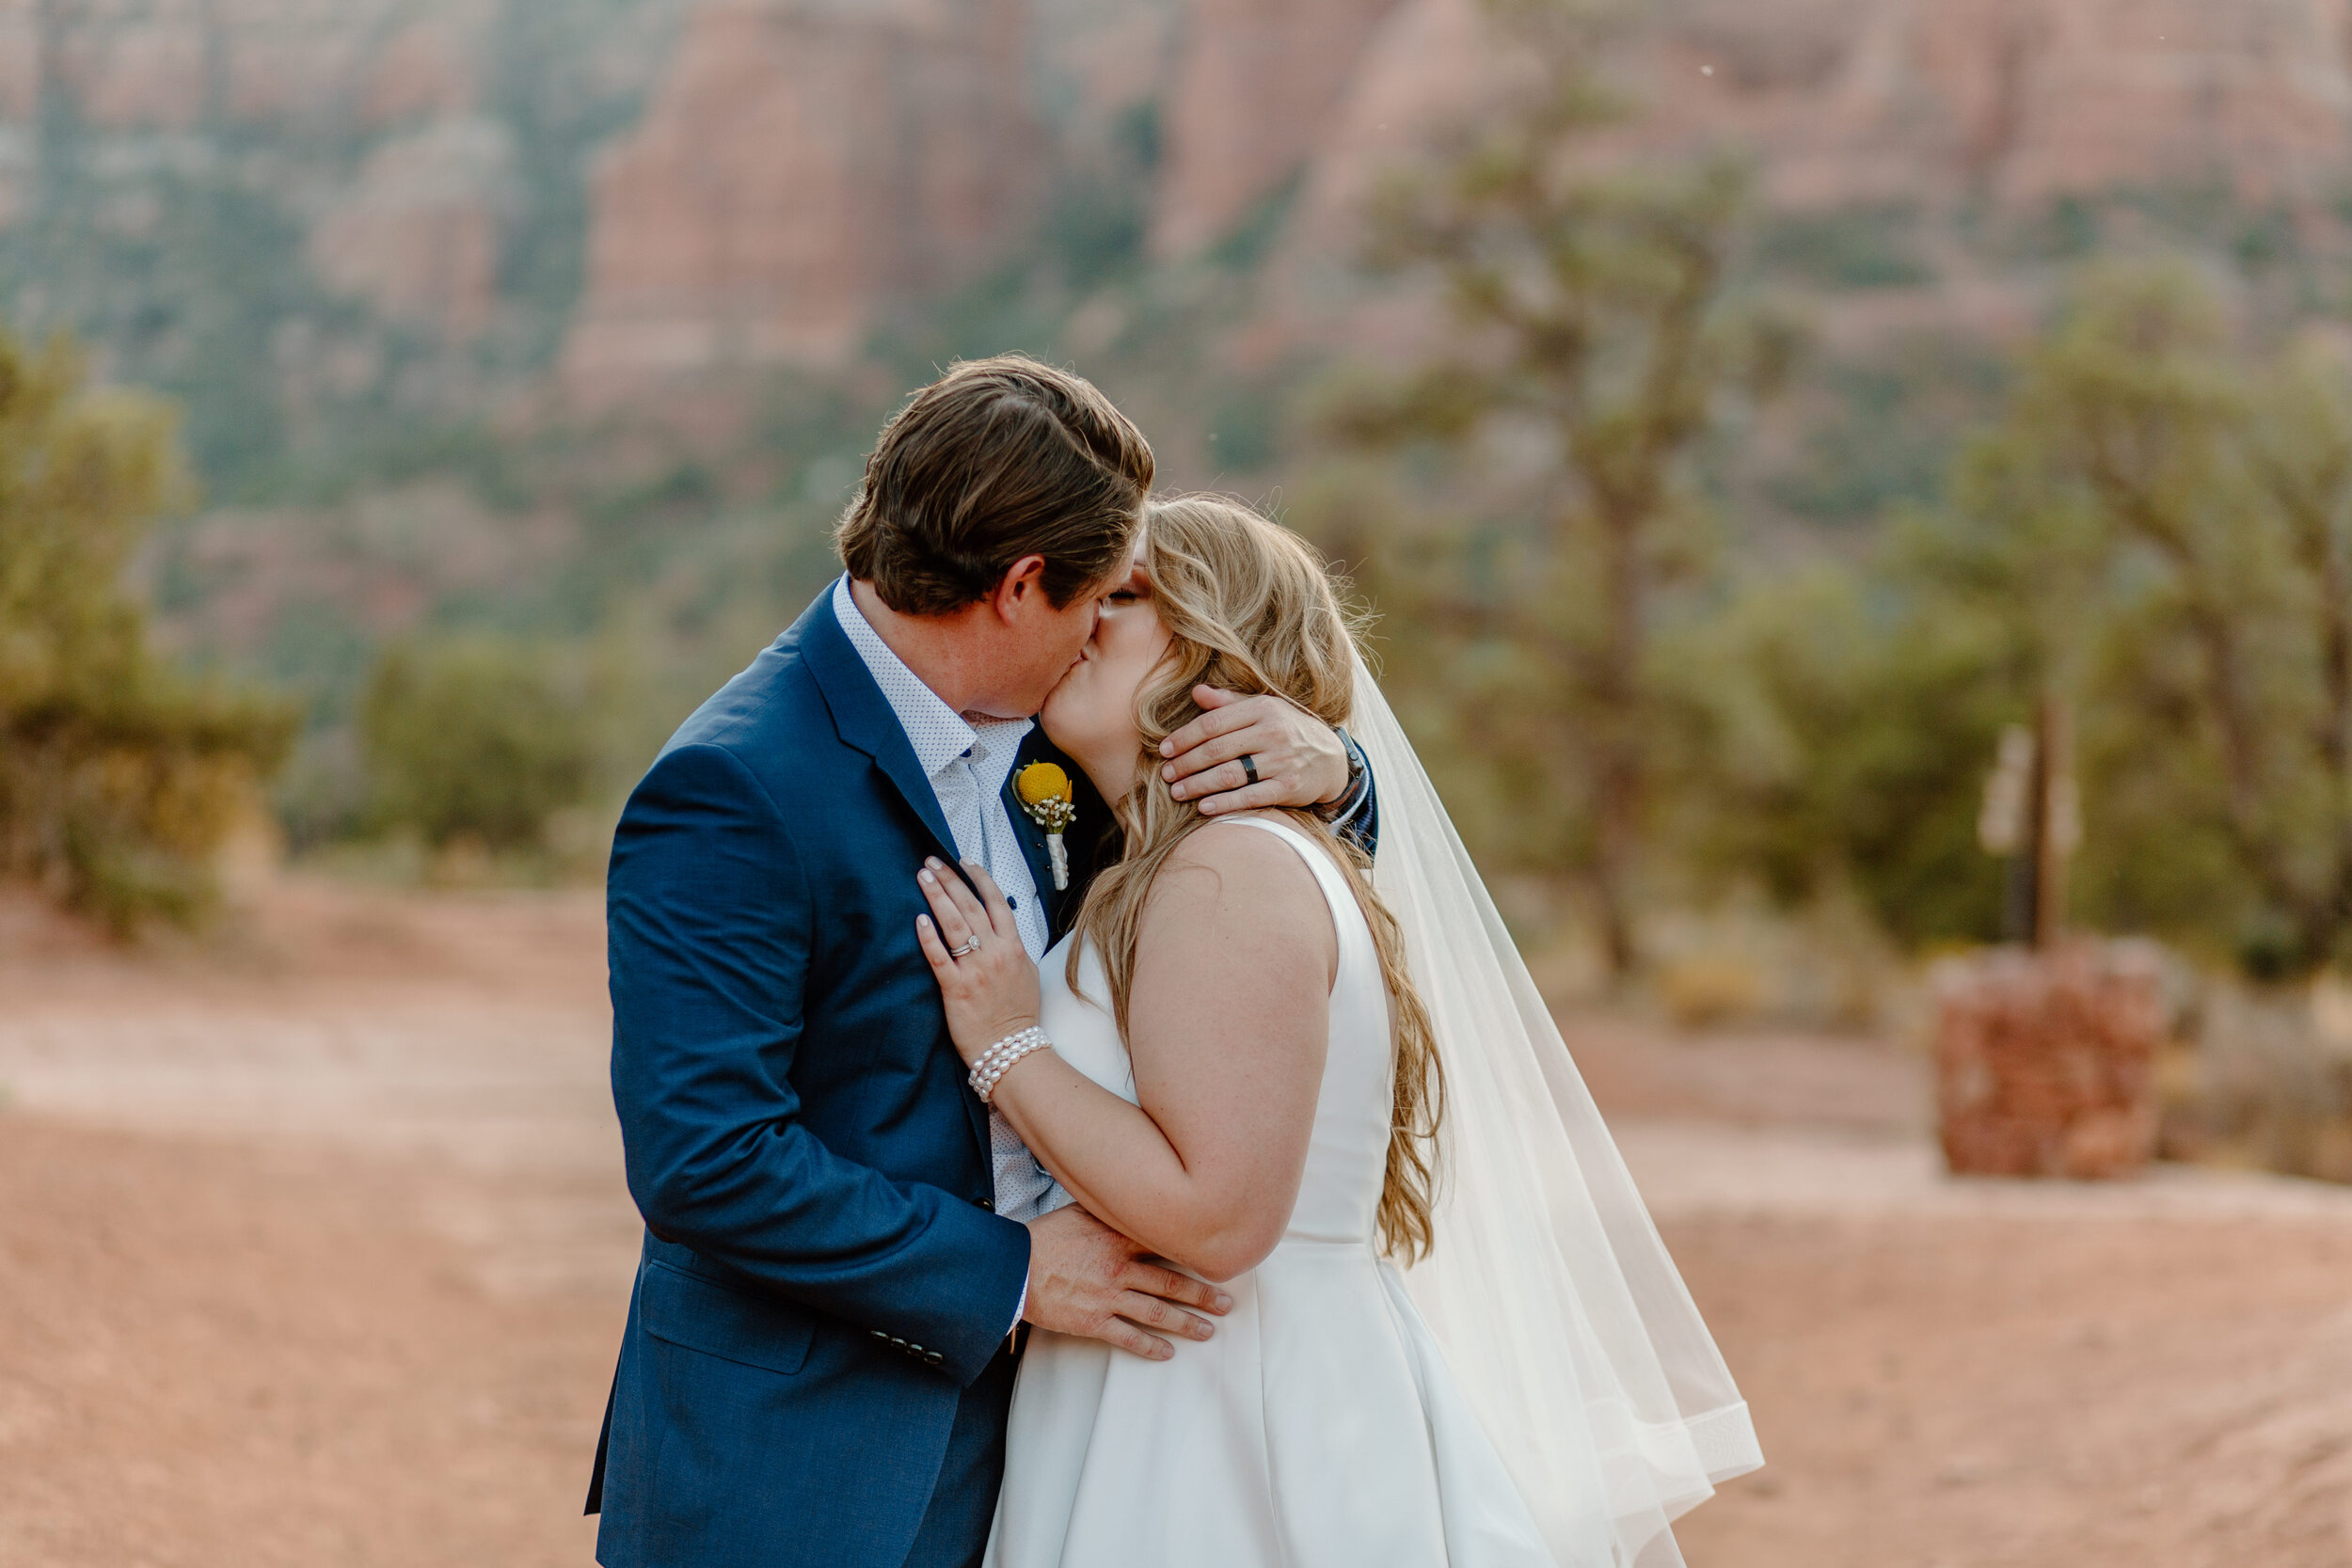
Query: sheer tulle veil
[[1561, 1315]]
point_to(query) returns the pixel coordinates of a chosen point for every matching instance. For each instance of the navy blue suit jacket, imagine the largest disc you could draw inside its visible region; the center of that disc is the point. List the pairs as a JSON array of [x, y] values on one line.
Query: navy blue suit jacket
[[822, 1275]]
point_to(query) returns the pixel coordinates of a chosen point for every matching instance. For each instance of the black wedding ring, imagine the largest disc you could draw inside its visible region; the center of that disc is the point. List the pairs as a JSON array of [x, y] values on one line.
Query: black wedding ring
[[1249, 767]]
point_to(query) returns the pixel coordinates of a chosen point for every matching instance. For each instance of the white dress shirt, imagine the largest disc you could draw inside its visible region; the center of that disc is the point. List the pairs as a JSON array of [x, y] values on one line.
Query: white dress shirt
[[967, 765]]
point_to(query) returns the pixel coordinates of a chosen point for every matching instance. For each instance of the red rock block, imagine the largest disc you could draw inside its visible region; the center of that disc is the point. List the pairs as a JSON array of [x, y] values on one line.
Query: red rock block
[[2045, 1062], [1257, 85], [803, 166]]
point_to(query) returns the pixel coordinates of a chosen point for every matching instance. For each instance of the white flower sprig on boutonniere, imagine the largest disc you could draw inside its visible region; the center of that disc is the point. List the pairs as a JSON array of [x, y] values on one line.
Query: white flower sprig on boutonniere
[[1046, 795]]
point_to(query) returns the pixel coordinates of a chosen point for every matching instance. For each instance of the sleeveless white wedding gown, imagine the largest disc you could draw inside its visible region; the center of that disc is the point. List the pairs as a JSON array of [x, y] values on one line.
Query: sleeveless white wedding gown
[[1319, 1427]]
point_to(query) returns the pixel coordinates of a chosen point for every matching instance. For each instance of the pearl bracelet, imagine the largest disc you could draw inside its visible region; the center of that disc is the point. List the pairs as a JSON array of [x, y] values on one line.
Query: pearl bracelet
[[1003, 1047], [998, 1059]]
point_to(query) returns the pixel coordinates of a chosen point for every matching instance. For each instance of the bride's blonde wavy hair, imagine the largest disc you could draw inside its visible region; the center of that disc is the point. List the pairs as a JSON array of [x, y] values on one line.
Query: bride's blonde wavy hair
[[1251, 608]]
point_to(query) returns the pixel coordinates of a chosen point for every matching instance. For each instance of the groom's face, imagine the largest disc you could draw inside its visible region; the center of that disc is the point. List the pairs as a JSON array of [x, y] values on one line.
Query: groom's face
[[1039, 642]]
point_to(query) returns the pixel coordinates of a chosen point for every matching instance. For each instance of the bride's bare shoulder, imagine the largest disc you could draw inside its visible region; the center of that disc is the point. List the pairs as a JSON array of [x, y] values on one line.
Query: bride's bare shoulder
[[1250, 881], [1229, 845]]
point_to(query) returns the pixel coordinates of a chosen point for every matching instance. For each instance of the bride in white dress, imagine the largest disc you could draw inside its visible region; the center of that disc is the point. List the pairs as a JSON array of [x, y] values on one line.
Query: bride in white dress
[[1453, 1338]]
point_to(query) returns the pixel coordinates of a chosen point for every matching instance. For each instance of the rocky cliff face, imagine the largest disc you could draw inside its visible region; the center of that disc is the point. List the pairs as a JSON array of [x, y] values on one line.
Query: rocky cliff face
[[176, 64], [420, 232], [2021, 100], [1257, 91], [379, 128], [1845, 102], [1909, 105], [183, 65], [776, 176], [803, 164]]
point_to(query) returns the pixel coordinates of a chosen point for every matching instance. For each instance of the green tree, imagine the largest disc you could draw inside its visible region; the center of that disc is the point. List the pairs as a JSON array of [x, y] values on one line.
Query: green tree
[[1848, 715], [2172, 513], [1599, 345], [119, 778], [474, 737], [2160, 530]]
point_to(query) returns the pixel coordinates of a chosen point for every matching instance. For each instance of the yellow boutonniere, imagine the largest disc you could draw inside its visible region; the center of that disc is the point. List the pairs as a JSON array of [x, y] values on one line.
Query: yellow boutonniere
[[1045, 794]]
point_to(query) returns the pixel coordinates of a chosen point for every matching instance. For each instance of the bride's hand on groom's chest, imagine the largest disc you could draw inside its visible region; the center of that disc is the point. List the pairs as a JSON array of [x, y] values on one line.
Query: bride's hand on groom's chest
[[972, 939]]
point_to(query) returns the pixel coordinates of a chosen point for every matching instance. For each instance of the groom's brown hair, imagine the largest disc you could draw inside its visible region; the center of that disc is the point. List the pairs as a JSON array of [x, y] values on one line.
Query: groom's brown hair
[[998, 459]]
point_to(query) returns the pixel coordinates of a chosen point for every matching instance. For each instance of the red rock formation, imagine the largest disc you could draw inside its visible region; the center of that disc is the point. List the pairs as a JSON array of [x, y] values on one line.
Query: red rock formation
[[417, 231], [1854, 101], [1257, 89], [20, 60], [171, 64], [426, 70], [1094, 58], [2026, 99], [802, 165], [1431, 64], [805, 165], [148, 72], [419, 234], [1843, 103]]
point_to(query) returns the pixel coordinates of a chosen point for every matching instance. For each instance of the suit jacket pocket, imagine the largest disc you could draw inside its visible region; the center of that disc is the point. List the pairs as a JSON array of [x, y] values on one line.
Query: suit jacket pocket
[[704, 1315]]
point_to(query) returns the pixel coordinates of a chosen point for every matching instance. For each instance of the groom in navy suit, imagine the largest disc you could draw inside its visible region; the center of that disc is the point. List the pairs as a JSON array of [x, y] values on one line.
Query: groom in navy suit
[[839, 1246]]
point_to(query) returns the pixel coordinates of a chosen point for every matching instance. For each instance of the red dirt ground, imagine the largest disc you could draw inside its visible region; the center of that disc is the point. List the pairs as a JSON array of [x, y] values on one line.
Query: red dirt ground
[[312, 1251]]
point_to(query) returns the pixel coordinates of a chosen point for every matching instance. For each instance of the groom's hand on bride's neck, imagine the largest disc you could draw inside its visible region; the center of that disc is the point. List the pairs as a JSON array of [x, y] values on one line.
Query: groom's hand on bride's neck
[[1087, 1279], [1299, 760]]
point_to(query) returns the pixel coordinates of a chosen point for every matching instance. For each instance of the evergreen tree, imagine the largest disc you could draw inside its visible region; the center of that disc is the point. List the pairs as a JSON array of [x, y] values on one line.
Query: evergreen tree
[[119, 777], [1599, 346]]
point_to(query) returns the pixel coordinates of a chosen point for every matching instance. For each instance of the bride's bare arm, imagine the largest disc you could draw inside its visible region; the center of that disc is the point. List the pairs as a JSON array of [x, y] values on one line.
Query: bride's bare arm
[[1228, 1027]]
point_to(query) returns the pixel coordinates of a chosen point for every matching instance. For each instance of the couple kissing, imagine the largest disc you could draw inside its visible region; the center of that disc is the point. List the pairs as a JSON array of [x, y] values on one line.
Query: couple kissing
[[1083, 1108]]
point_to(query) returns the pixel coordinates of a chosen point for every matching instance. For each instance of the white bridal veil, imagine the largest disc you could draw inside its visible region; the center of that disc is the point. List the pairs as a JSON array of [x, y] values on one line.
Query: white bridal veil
[[1560, 1314]]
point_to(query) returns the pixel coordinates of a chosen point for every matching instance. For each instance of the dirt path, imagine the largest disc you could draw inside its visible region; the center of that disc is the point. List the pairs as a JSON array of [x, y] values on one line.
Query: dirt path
[[221, 1357], [2023, 1391], [318, 1256]]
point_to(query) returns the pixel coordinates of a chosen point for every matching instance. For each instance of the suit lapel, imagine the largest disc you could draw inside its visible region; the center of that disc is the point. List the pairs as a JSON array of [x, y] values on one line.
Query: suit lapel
[[864, 717]]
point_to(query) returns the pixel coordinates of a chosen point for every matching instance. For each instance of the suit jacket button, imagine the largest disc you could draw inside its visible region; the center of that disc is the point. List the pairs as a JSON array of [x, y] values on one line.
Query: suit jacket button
[[933, 1358], [879, 1334]]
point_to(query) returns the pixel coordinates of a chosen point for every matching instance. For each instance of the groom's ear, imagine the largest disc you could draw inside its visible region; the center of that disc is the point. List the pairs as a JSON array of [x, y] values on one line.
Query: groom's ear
[[1023, 581]]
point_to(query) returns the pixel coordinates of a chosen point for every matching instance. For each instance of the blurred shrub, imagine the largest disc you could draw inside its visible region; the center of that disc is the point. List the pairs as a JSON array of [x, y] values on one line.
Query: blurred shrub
[[1885, 428], [119, 778], [1245, 422], [2165, 518], [2160, 528], [1857, 247], [2268, 1085], [2157, 527], [474, 738], [1250, 240], [1844, 720], [1700, 989]]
